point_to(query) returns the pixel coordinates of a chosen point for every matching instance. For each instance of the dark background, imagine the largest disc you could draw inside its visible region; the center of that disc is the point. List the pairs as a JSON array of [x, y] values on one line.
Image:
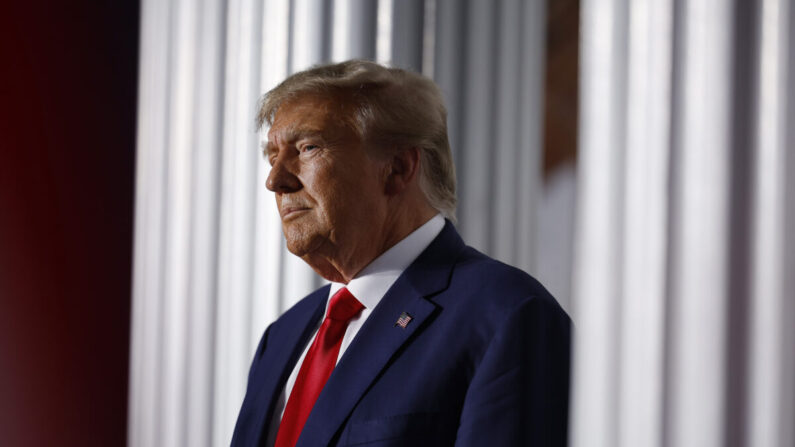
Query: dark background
[[68, 80]]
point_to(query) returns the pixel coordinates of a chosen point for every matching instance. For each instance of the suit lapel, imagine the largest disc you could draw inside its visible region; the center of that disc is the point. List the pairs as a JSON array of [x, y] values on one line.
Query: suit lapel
[[380, 337], [287, 341]]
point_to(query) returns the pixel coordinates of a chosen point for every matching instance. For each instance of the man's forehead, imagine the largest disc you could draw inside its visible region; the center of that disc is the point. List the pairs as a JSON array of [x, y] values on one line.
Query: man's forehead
[[310, 114]]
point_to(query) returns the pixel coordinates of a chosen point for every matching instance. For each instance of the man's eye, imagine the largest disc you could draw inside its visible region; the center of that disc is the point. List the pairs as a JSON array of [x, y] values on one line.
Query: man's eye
[[309, 147]]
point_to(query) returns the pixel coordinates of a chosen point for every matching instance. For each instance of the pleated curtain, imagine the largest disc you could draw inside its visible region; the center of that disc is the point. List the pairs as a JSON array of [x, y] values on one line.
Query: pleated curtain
[[683, 290], [682, 284]]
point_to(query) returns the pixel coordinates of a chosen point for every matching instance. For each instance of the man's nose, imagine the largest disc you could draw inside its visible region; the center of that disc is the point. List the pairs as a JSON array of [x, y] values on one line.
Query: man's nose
[[282, 178]]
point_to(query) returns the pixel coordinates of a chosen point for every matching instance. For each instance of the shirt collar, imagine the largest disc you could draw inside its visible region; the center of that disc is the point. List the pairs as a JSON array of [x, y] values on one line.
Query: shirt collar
[[372, 283]]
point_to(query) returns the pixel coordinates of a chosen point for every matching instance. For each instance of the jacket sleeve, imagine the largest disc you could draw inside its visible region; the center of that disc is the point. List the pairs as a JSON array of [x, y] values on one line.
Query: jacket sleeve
[[519, 393]]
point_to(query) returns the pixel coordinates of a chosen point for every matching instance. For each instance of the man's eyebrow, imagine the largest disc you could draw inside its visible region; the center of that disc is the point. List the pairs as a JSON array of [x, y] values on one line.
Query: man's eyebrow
[[291, 135], [294, 134]]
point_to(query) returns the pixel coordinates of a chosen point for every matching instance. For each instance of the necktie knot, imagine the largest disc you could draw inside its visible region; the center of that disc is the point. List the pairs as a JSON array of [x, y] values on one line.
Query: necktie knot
[[343, 306]]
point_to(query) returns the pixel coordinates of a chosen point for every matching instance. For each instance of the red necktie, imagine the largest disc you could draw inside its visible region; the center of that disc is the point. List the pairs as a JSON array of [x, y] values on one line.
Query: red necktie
[[317, 366]]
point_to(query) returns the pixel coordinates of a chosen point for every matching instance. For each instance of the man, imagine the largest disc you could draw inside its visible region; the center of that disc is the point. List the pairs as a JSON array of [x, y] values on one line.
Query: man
[[419, 339]]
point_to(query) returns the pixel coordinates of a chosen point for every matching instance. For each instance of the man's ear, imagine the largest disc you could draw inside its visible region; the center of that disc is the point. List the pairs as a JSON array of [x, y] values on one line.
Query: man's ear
[[402, 170]]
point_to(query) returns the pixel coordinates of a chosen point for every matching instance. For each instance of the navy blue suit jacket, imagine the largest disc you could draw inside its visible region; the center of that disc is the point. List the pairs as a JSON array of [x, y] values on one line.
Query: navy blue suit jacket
[[483, 362]]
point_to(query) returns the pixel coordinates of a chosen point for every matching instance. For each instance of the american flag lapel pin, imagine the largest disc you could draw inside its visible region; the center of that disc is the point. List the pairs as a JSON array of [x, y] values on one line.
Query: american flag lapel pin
[[403, 320]]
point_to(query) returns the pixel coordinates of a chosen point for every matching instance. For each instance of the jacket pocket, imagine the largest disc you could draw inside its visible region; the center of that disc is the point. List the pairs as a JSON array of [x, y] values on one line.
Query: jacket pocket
[[415, 429]]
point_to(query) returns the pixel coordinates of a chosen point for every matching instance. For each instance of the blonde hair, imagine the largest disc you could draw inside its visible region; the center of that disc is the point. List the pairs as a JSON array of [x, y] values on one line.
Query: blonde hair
[[392, 108]]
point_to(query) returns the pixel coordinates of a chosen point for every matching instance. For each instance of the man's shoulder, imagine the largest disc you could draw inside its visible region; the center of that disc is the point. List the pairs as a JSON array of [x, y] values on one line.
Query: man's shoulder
[[493, 290], [476, 268]]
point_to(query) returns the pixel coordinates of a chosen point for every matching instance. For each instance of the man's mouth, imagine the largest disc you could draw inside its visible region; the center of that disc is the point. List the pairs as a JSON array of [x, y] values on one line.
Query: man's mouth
[[291, 211]]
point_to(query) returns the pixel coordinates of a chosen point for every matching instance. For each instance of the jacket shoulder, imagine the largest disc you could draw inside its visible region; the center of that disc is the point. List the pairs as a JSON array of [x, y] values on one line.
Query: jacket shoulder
[[493, 290]]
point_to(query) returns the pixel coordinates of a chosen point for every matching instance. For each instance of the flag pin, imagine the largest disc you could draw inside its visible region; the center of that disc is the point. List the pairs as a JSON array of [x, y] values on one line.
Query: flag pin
[[404, 320]]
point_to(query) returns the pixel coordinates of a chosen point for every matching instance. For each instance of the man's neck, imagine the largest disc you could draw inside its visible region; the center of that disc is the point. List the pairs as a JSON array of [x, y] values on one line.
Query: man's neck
[[396, 228]]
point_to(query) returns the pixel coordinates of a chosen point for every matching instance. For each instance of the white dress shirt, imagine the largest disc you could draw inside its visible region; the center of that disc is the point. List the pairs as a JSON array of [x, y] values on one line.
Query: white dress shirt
[[369, 286]]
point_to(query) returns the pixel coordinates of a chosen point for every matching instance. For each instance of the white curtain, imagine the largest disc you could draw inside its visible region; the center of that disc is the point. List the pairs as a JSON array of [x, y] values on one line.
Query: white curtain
[[683, 290], [211, 269]]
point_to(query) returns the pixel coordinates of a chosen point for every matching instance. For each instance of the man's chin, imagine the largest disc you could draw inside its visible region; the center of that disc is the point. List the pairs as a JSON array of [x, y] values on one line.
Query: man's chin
[[298, 248], [301, 244]]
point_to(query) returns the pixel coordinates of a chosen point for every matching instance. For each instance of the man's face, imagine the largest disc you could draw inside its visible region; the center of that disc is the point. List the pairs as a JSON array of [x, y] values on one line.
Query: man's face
[[329, 190]]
